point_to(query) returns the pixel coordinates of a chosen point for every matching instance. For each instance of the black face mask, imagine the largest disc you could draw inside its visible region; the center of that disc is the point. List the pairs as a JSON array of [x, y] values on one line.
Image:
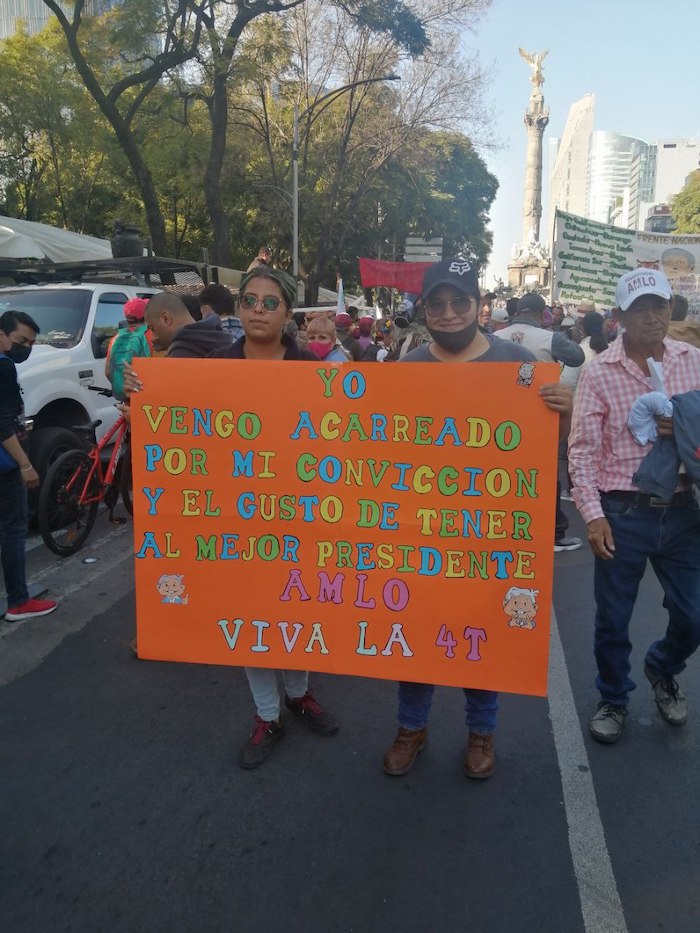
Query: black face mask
[[454, 341], [18, 352]]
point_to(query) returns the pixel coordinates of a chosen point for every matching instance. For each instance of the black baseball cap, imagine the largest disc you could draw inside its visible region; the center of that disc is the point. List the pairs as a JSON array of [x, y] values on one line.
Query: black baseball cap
[[457, 272], [531, 303]]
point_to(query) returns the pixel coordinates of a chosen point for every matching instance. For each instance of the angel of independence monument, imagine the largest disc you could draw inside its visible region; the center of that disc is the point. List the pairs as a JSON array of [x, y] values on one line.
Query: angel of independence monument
[[529, 269]]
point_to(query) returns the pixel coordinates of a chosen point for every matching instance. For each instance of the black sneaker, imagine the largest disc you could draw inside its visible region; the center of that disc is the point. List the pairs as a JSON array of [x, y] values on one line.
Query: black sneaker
[[308, 710], [263, 739]]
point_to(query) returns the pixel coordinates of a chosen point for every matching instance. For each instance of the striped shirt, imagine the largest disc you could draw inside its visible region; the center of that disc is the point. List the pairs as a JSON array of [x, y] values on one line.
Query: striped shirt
[[603, 455]]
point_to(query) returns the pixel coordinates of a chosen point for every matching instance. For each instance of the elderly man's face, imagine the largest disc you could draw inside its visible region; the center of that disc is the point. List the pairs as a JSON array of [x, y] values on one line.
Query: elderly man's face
[[646, 321]]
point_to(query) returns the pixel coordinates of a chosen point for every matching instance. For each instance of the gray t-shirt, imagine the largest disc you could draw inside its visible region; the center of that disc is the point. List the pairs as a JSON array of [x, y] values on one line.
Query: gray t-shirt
[[500, 351]]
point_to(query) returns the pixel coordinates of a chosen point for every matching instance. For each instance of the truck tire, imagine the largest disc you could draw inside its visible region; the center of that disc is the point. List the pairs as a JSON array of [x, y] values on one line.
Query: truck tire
[[46, 444]]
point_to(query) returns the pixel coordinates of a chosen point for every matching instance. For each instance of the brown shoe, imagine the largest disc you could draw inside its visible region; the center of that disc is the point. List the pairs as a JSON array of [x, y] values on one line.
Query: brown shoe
[[407, 745], [480, 760]]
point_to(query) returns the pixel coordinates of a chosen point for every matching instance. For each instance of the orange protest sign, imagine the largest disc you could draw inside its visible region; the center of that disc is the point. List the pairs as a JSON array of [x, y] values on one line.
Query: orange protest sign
[[379, 520]]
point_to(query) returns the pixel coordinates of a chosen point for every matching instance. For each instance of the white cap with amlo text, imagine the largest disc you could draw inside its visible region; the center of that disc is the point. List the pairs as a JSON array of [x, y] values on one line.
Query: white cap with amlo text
[[640, 282]]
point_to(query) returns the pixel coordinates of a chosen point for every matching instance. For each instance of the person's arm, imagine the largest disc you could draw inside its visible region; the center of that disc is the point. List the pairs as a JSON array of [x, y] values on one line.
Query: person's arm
[[109, 357], [559, 398], [8, 423], [566, 351], [132, 383], [570, 376], [585, 452]]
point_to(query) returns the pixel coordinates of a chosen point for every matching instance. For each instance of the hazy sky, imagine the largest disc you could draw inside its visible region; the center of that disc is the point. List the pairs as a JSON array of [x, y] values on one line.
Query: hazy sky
[[638, 58]]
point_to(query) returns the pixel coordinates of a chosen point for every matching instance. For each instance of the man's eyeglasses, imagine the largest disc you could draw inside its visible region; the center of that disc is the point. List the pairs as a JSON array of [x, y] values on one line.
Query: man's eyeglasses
[[460, 304], [268, 303]]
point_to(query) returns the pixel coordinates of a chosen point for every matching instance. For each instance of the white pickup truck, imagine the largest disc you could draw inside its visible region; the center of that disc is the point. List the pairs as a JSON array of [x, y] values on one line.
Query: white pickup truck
[[78, 307], [76, 322]]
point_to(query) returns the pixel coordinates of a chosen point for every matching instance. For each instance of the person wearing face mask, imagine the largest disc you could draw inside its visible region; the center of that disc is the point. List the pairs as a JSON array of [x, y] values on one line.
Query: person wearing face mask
[[23, 337], [18, 334], [322, 341], [451, 302]]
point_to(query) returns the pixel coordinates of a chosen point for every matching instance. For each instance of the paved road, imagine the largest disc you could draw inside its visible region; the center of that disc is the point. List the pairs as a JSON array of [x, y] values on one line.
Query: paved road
[[123, 808]]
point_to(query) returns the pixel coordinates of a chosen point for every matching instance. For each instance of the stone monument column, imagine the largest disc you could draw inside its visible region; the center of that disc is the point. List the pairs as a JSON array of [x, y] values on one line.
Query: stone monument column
[[536, 120], [530, 265]]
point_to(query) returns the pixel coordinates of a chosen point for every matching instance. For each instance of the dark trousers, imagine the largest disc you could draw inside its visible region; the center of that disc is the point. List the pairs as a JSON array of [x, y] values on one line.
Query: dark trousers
[[13, 535], [415, 700], [670, 539], [561, 522]]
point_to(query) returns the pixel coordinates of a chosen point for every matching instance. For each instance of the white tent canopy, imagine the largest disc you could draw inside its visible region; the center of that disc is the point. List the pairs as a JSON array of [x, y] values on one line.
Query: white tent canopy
[[24, 239]]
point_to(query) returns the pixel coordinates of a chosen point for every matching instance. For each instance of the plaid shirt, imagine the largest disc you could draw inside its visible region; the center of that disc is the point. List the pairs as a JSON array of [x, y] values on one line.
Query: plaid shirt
[[603, 455], [232, 325]]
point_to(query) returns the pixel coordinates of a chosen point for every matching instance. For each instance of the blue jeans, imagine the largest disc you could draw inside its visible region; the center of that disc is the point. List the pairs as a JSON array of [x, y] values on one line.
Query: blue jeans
[[13, 535], [415, 700], [670, 539]]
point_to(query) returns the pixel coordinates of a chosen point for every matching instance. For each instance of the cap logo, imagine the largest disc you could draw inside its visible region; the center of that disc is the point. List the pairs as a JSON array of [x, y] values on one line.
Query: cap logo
[[641, 282], [461, 268]]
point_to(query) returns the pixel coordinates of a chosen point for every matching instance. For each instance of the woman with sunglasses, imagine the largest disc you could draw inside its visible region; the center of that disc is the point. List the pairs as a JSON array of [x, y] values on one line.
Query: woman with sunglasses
[[266, 300]]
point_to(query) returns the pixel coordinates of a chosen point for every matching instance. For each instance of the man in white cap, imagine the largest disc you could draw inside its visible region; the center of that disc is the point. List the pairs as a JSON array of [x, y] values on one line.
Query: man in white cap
[[626, 527]]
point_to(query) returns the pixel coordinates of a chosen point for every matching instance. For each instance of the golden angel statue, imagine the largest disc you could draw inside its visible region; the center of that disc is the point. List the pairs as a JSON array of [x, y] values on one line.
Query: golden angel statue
[[534, 60]]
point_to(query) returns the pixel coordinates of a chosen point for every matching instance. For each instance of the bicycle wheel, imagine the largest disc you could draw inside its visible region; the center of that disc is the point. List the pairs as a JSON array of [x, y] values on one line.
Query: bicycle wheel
[[64, 522], [126, 478]]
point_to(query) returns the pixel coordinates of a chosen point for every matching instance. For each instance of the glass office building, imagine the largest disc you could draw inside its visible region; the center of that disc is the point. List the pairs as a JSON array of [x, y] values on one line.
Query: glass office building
[[34, 14], [609, 171]]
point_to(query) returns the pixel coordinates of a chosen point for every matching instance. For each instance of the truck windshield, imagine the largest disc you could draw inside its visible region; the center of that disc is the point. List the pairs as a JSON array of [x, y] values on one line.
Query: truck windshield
[[60, 313]]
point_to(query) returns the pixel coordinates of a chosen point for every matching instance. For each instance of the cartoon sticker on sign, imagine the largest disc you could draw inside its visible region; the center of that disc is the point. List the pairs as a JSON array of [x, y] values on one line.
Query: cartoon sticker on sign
[[364, 521]]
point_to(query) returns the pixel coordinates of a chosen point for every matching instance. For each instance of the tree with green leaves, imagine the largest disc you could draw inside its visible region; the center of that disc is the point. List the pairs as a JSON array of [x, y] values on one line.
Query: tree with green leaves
[[206, 35], [121, 58], [223, 25], [58, 160], [685, 206], [351, 137]]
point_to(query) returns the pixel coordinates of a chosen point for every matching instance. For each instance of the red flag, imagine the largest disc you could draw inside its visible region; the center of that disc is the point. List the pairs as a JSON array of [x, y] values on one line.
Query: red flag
[[405, 276]]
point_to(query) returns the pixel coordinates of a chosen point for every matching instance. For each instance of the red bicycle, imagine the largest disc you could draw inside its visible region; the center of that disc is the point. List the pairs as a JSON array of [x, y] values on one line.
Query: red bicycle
[[77, 482]]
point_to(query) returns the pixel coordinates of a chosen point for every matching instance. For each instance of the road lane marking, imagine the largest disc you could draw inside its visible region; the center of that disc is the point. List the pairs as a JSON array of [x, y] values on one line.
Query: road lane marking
[[601, 907]]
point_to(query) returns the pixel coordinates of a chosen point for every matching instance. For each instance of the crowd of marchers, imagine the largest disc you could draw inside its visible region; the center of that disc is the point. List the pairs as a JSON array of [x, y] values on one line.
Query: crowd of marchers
[[627, 399]]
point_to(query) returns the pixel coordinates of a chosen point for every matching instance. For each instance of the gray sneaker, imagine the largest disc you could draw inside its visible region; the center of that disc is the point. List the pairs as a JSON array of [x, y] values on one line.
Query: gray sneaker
[[608, 723], [568, 544], [670, 699]]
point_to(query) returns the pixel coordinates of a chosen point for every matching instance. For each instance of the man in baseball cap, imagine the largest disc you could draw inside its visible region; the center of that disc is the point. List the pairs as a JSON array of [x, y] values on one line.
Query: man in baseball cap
[[451, 302], [626, 526]]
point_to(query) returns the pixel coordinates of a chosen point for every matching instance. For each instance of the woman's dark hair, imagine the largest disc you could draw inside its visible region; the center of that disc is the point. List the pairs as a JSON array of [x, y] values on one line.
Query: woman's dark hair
[[592, 326], [599, 342], [284, 280], [592, 323]]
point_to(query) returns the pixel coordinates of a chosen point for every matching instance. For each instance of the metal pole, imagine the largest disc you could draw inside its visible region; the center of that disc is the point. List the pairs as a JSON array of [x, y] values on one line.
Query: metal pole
[[295, 196]]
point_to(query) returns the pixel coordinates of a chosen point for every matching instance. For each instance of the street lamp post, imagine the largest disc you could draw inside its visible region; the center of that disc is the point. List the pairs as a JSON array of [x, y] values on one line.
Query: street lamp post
[[326, 99]]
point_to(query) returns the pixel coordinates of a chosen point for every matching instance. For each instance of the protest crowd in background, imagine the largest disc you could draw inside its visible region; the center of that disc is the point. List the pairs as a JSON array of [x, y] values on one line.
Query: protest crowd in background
[[609, 386]]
